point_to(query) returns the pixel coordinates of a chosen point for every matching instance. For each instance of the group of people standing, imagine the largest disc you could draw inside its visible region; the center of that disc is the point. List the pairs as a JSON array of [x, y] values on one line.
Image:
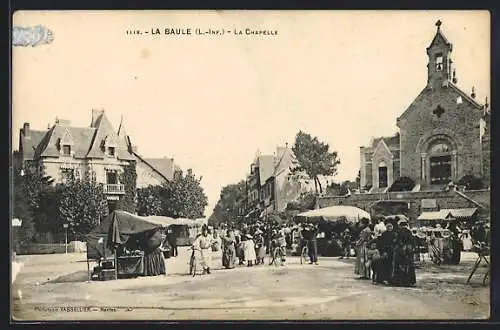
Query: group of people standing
[[385, 254]]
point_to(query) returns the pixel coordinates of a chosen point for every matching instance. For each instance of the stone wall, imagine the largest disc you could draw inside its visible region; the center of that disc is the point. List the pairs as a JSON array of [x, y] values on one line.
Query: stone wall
[[444, 200]]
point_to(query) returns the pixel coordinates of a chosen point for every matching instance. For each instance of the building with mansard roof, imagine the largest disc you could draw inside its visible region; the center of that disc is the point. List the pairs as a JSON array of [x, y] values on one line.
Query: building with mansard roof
[[443, 134], [63, 151]]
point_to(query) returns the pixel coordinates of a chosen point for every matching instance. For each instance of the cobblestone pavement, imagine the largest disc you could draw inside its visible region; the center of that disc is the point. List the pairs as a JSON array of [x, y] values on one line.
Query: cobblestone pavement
[[55, 287]]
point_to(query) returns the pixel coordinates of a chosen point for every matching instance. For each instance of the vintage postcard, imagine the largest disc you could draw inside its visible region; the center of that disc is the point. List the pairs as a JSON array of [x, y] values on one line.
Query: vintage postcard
[[250, 165]]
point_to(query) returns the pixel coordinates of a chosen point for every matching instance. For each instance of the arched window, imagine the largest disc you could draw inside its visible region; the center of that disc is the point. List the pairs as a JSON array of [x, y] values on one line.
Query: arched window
[[382, 175], [440, 162]]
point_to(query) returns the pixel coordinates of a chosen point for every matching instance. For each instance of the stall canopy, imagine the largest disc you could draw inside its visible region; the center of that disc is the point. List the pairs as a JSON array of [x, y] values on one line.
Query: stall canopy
[[124, 224], [333, 213], [167, 221], [447, 214], [97, 241]]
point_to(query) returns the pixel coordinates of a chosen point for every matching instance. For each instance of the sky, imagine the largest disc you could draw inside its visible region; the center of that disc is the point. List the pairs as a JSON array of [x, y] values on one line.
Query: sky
[[210, 102]]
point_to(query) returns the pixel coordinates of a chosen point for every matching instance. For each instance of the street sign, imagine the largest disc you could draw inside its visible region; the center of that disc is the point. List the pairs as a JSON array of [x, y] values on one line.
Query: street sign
[[65, 225], [17, 222]]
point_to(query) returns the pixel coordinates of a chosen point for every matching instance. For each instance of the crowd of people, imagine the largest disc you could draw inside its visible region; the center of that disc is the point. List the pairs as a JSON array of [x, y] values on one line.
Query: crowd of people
[[385, 254], [385, 248]]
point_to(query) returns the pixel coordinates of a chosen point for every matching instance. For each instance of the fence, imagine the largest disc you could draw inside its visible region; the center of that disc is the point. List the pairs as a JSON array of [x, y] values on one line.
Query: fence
[[52, 248]]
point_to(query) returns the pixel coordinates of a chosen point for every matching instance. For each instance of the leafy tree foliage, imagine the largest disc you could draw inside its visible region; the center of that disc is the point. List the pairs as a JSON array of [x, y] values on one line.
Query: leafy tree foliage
[[21, 210], [402, 184], [81, 204], [129, 179], [307, 201], [230, 205], [471, 182], [183, 197], [149, 201], [341, 189], [314, 157]]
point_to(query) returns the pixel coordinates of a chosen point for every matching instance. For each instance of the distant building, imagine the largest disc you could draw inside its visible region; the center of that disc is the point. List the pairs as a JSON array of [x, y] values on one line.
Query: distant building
[[99, 152], [443, 134], [271, 185]]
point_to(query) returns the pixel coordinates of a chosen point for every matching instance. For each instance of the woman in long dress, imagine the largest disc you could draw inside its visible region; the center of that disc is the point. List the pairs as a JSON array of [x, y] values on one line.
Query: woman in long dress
[[229, 249], [216, 248], [365, 236], [385, 244], [404, 268], [154, 263]]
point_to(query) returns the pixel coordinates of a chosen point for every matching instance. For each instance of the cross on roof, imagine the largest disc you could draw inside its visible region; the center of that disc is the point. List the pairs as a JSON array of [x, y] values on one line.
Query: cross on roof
[[438, 23]]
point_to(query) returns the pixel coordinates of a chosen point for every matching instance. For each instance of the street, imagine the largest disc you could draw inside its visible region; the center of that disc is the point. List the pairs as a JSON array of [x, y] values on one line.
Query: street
[[330, 291]]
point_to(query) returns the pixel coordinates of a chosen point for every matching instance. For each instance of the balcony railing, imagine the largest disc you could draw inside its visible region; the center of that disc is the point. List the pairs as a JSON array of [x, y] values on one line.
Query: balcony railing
[[114, 188]]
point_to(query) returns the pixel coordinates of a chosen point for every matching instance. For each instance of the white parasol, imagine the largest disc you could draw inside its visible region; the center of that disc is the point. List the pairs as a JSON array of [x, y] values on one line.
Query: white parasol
[[333, 213]]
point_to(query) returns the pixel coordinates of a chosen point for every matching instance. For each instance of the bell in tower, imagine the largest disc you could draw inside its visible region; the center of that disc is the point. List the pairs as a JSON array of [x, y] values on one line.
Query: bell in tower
[[439, 66]]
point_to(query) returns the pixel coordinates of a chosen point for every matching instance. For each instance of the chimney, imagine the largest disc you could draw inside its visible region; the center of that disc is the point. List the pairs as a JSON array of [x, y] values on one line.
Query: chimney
[[26, 129], [96, 113], [62, 122]]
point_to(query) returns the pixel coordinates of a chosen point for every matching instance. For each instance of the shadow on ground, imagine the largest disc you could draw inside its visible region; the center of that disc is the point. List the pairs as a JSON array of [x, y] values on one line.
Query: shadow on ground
[[78, 276]]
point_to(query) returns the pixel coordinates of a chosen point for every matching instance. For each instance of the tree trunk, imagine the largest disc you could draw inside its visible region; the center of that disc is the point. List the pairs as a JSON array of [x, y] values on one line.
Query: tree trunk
[[316, 184]]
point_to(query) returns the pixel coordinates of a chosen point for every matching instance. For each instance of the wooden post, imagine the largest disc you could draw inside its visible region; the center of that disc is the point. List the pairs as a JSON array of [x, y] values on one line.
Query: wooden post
[[88, 269], [116, 266]]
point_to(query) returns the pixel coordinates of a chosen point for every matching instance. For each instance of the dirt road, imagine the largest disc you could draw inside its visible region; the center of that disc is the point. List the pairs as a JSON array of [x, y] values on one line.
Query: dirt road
[[54, 287]]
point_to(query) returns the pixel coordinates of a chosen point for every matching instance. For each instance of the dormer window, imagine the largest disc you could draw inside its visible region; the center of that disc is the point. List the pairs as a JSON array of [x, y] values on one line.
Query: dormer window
[[66, 150], [111, 151], [439, 62]]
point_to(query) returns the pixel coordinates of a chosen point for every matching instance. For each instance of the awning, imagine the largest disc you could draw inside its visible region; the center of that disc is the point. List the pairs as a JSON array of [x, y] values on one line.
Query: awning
[[434, 215], [463, 213], [448, 213]]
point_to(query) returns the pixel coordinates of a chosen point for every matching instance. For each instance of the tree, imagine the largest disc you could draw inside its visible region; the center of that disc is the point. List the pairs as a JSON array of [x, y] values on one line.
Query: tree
[[402, 184], [184, 196], [81, 204], [21, 210], [306, 201], [341, 189], [314, 158], [229, 206], [129, 180], [358, 179], [471, 182], [149, 201]]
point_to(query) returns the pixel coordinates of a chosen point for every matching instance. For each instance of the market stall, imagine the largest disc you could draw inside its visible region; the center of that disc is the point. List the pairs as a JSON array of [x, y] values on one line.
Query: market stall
[[331, 222], [442, 232], [122, 245]]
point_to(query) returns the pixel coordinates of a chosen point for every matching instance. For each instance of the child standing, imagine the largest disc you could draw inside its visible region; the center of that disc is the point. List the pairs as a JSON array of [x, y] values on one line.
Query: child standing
[[372, 260]]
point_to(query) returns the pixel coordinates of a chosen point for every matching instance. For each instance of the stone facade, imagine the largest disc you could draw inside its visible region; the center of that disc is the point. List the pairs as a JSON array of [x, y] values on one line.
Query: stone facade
[[442, 134]]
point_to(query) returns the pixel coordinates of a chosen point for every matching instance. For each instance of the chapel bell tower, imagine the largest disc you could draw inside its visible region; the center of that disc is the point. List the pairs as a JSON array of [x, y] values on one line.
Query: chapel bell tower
[[440, 67]]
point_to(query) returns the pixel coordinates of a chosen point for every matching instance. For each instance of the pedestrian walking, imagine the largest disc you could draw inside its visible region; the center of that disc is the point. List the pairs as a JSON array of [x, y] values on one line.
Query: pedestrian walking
[[260, 249], [249, 250], [229, 249], [346, 239], [204, 243]]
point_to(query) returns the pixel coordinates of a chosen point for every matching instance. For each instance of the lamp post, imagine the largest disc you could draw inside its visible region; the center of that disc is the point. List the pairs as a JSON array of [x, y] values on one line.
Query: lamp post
[[15, 223], [65, 226]]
